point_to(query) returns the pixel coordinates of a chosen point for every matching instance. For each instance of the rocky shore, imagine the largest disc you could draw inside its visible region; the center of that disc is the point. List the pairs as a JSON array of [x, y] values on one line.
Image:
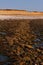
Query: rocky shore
[[21, 42]]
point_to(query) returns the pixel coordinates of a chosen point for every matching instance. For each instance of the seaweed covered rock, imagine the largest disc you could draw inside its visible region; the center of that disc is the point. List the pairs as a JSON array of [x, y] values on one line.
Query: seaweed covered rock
[[21, 42]]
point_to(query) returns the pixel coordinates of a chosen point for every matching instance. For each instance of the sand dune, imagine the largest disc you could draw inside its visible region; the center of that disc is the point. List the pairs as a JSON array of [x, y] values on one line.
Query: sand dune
[[20, 12]]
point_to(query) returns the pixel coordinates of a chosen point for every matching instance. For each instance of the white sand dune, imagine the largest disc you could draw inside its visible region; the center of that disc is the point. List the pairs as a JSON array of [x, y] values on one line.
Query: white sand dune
[[19, 17]]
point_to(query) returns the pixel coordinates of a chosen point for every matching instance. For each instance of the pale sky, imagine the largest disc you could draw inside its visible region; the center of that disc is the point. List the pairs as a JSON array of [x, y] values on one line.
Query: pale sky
[[30, 5]]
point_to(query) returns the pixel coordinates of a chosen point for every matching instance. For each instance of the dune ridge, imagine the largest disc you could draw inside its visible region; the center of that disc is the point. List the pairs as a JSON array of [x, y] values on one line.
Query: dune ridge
[[19, 12]]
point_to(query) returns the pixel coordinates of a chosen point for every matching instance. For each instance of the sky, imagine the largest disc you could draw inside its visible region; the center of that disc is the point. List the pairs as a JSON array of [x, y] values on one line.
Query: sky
[[29, 5]]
